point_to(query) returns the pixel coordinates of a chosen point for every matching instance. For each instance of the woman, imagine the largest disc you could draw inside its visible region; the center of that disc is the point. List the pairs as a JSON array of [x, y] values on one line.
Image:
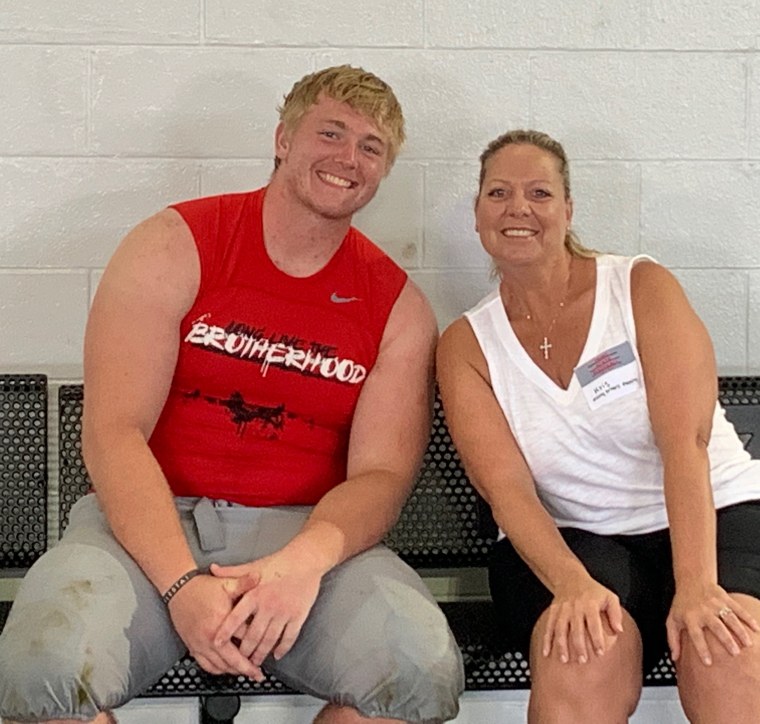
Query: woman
[[582, 398]]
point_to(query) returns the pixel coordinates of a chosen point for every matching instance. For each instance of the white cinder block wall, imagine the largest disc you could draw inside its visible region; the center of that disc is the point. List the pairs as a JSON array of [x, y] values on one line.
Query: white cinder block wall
[[110, 111]]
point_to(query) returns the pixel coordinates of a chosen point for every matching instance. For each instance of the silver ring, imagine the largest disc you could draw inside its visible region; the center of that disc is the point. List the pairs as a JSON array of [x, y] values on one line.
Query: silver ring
[[725, 611]]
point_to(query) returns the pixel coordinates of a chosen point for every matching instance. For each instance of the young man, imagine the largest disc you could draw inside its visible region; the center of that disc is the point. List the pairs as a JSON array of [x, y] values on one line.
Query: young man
[[258, 381]]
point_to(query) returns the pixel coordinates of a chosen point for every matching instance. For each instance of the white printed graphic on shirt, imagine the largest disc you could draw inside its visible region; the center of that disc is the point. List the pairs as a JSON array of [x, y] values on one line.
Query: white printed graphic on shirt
[[287, 353]]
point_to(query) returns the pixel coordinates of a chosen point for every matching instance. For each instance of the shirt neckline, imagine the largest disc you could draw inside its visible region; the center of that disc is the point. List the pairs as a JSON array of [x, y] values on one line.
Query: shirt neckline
[[593, 337]]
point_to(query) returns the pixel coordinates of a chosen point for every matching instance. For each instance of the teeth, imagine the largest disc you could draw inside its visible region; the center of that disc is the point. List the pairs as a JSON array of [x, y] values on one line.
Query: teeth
[[337, 180], [519, 232]]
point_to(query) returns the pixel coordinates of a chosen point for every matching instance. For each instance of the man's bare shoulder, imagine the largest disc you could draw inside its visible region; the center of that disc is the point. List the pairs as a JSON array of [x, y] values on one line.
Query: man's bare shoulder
[[411, 332], [156, 259], [412, 314], [165, 230]]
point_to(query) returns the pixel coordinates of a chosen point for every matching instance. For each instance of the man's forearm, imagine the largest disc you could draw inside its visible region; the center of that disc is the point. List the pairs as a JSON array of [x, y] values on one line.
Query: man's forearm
[[352, 517], [139, 505]]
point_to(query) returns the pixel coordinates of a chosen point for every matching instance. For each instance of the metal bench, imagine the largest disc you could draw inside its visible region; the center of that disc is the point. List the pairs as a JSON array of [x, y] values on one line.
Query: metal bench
[[444, 525], [23, 475]]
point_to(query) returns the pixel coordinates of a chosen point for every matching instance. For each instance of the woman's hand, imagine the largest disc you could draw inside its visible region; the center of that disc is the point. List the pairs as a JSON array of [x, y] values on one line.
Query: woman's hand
[[702, 606], [578, 612]]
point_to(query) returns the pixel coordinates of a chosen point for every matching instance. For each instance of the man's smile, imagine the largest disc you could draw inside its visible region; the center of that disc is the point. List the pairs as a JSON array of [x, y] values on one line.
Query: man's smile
[[333, 180]]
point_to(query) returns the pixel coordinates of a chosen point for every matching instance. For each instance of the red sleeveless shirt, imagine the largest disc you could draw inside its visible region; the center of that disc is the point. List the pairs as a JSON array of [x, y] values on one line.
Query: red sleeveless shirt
[[270, 366]]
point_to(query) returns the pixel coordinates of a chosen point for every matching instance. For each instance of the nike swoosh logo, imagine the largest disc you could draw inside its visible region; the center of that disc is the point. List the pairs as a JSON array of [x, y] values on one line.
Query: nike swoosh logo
[[343, 300]]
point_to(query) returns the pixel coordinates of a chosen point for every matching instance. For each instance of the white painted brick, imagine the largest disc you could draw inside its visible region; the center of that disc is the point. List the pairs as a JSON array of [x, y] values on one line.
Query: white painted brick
[[450, 237], [95, 277], [43, 100], [342, 23], [642, 105], [73, 212], [394, 218], [753, 322], [540, 24], [754, 106], [665, 143], [93, 21], [701, 214], [720, 299], [42, 317], [451, 293], [454, 102], [229, 177], [202, 103], [606, 205], [699, 24]]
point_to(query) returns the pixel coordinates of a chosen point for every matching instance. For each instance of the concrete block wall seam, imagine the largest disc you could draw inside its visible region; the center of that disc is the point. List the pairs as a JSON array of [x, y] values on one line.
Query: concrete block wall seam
[[111, 113]]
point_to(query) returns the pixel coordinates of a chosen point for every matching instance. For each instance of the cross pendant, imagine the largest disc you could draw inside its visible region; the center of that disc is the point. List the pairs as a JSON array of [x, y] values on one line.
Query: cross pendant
[[545, 347]]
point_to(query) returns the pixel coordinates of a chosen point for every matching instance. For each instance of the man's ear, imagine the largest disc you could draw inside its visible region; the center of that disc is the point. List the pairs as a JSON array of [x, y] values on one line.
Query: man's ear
[[281, 141]]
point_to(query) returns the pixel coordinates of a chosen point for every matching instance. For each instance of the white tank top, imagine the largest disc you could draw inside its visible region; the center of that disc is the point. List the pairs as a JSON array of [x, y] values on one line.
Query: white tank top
[[590, 448]]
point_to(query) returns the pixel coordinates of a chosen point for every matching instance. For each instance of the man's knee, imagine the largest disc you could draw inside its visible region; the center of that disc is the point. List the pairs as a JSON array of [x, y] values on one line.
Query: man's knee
[[37, 686], [416, 675], [377, 641], [52, 668]]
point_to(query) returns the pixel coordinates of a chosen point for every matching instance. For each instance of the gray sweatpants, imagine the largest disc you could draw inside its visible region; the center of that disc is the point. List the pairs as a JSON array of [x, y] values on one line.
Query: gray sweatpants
[[88, 631]]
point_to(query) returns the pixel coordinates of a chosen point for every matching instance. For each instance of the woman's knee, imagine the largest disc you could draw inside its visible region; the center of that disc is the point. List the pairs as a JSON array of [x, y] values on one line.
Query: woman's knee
[[614, 676], [727, 673]]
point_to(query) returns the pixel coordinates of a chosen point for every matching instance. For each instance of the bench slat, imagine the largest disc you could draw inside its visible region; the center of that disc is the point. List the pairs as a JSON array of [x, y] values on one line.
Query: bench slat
[[23, 469]]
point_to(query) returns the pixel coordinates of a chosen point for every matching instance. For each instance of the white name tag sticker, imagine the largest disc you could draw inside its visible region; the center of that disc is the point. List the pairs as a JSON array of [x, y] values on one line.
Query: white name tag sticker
[[609, 376]]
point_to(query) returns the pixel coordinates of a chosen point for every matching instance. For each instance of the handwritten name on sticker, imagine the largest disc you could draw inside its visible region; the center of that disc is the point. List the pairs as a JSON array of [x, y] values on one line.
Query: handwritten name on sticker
[[609, 376]]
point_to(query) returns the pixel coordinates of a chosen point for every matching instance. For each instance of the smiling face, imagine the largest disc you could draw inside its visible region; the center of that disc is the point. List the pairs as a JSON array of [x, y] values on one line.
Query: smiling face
[[521, 213], [333, 160]]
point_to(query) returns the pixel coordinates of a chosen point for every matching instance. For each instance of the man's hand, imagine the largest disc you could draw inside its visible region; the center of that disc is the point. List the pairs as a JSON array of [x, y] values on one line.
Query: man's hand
[[198, 609], [268, 618]]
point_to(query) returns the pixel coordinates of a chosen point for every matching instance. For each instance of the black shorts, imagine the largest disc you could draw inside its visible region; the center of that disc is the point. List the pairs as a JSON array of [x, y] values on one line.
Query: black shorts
[[637, 568]]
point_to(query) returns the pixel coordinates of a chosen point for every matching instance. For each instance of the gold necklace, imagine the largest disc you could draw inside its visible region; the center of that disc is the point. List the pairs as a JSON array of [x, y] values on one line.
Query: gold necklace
[[546, 345]]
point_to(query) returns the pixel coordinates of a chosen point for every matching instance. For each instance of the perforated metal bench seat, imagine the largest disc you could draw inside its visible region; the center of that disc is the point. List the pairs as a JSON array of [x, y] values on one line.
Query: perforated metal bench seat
[[23, 470], [445, 524], [23, 474]]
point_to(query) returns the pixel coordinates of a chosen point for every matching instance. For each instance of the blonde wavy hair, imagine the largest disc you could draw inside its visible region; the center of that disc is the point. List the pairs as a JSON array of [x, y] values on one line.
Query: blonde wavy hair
[[361, 90], [546, 143]]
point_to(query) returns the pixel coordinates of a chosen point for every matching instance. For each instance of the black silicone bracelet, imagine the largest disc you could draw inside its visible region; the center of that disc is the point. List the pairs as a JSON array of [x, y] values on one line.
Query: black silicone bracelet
[[181, 581]]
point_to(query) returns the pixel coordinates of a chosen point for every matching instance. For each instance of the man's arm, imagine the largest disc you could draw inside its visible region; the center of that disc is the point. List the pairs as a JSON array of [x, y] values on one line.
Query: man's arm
[[131, 347], [389, 433]]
